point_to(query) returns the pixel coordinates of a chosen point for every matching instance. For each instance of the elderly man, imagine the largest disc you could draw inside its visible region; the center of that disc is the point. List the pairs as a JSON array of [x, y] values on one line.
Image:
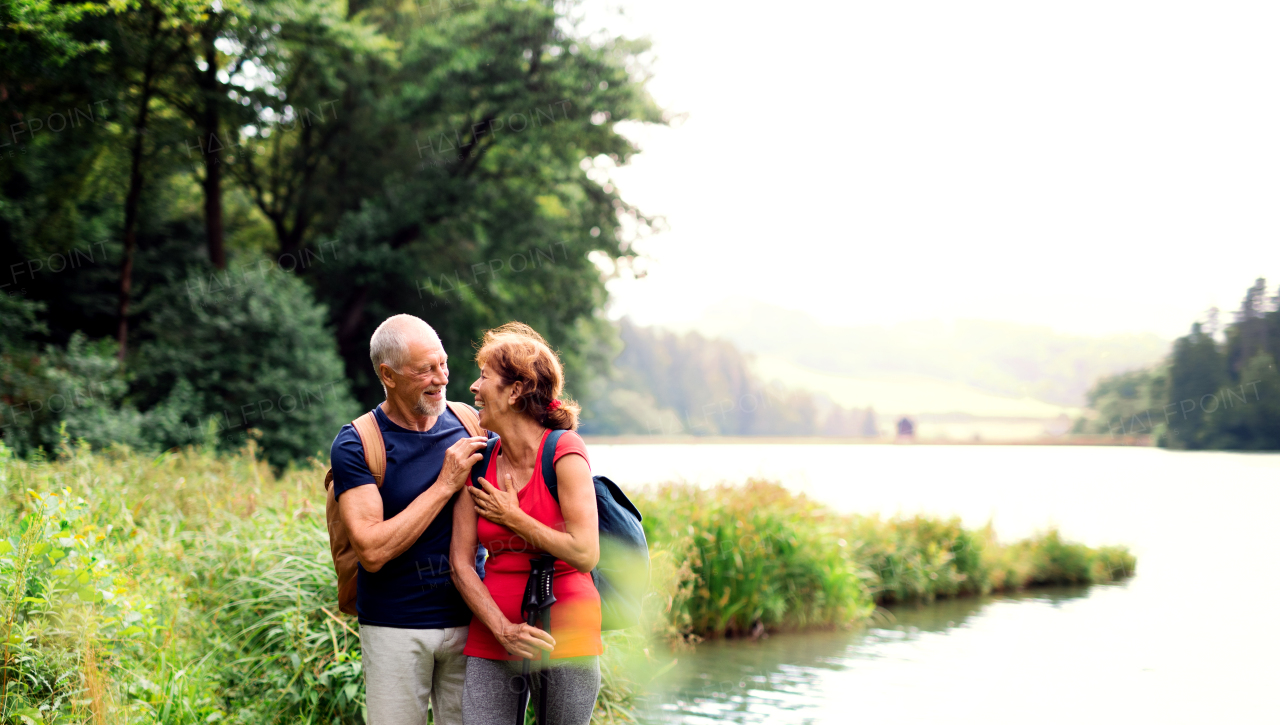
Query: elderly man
[[413, 622]]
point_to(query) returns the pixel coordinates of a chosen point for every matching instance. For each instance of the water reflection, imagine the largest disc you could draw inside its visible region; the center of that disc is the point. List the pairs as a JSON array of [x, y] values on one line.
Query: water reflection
[[787, 677]]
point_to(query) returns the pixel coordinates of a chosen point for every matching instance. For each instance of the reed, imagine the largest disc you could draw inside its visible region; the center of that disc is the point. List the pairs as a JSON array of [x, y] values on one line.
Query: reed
[[742, 560]]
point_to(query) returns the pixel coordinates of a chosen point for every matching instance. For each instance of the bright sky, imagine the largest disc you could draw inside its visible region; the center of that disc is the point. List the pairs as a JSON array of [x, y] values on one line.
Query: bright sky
[[1095, 166]]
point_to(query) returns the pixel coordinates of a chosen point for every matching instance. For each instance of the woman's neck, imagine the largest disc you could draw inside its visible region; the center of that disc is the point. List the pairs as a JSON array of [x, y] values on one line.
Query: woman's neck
[[520, 438]]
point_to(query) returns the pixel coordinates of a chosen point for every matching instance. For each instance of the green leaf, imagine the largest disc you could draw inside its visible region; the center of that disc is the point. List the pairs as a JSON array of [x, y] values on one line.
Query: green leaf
[[5, 547]]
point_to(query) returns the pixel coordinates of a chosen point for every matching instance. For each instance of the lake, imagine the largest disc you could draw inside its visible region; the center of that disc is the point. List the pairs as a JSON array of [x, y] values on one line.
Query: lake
[[1159, 647]]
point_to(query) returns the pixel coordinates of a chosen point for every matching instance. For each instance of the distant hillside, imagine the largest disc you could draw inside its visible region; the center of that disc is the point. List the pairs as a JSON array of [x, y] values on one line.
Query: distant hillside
[[664, 383], [1002, 358]]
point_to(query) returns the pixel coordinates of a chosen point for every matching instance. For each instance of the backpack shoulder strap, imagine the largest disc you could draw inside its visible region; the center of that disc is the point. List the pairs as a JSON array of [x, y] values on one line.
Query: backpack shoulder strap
[[375, 450], [548, 463], [479, 469], [468, 416]]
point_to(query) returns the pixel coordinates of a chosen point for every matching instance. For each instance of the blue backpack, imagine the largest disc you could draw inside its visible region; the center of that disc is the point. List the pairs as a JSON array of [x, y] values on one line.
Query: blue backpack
[[622, 574]]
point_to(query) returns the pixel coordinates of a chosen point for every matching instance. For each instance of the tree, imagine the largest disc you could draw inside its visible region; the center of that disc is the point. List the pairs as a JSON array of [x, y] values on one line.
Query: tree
[[480, 200], [1130, 403], [1197, 369], [1249, 335], [147, 45], [1257, 419], [198, 92]]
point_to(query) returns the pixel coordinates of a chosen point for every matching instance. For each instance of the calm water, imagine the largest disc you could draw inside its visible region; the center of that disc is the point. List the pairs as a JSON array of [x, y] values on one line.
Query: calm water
[[1193, 638]]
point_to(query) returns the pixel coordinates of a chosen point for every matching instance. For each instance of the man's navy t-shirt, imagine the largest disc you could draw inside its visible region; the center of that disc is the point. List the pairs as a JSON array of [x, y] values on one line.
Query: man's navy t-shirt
[[414, 590]]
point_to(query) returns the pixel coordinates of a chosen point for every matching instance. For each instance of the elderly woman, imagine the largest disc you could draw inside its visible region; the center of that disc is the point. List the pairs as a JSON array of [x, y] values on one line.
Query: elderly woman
[[514, 515]]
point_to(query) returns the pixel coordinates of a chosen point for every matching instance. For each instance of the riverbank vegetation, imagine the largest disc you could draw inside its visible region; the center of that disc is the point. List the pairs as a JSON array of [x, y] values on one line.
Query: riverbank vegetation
[[197, 586], [743, 560]]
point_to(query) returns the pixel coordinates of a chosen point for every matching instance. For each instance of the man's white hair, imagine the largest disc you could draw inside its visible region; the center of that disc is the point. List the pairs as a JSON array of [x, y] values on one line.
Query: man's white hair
[[390, 342]]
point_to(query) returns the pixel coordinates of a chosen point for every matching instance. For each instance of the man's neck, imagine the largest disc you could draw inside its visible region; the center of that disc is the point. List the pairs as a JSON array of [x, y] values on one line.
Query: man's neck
[[405, 416]]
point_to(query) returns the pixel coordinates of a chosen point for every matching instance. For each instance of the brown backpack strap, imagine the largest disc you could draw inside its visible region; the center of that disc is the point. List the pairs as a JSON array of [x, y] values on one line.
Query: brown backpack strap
[[468, 418], [375, 450]]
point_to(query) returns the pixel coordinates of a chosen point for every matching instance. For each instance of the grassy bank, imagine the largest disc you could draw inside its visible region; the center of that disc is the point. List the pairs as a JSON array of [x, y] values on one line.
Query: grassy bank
[[737, 560], [198, 588]]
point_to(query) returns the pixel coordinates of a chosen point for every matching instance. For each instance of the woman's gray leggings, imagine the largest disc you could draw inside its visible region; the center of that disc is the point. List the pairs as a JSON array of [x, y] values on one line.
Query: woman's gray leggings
[[492, 691]]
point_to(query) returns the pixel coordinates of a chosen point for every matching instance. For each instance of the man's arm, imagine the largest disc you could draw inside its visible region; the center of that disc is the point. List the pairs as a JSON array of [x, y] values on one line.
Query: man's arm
[[376, 540]]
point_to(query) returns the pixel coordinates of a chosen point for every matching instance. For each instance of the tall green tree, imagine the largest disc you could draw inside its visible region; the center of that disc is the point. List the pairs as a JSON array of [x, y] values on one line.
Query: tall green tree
[[473, 159], [1197, 369]]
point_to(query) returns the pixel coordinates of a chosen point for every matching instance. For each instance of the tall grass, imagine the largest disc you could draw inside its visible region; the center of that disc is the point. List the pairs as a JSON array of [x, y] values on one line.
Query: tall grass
[[186, 588], [195, 588], [736, 560]]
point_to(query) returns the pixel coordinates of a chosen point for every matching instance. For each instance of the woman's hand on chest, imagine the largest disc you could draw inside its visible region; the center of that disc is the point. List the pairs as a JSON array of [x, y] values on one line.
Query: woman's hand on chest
[[500, 506]]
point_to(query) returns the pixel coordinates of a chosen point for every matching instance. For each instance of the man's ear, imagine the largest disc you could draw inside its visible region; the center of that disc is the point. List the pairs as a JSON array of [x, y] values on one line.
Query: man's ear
[[386, 375]]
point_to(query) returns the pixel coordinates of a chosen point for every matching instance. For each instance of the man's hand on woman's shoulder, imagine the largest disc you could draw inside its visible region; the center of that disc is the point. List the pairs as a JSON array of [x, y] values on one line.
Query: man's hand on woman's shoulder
[[458, 460]]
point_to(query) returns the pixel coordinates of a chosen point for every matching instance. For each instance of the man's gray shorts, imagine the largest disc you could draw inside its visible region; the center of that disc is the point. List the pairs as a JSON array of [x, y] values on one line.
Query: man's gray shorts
[[404, 669]]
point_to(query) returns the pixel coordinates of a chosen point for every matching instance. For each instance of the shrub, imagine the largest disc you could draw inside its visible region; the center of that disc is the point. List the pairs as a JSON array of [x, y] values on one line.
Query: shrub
[[77, 391], [236, 352]]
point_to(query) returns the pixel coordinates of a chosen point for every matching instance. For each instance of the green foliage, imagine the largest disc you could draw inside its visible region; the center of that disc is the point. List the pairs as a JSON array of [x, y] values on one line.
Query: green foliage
[[1129, 403], [19, 323], [67, 601], [754, 555], [1256, 426], [75, 392], [453, 156], [227, 354], [739, 560], [38, 31], [240, 351], [920, 558], [273, 617], [1210, 393], [1197, 368]]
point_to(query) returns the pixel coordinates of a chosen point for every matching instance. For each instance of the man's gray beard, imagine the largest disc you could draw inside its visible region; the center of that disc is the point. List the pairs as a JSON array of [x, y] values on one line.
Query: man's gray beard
[[432, 410]]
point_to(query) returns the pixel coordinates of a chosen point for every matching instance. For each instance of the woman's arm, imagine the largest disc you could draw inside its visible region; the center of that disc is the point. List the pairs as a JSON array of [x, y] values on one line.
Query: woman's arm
[[516, 638], [579, 544]]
